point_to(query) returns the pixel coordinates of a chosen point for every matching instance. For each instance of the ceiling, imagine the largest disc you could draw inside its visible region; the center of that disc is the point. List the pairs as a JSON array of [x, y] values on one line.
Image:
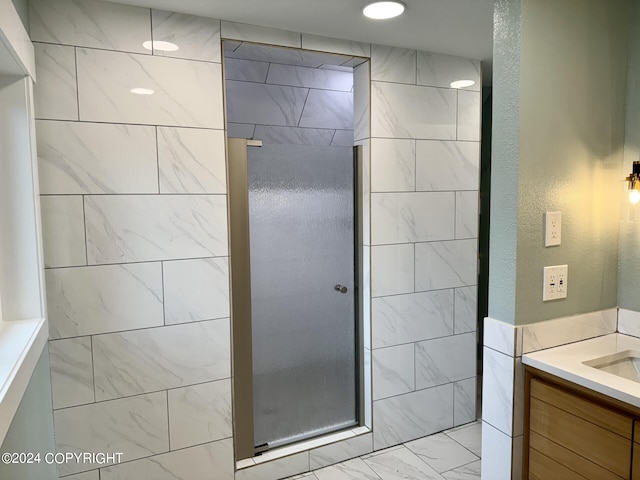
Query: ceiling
[[455, 27]]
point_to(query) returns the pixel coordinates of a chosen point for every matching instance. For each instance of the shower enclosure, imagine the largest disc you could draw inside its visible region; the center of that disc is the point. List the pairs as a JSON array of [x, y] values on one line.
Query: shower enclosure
[[295, 292]]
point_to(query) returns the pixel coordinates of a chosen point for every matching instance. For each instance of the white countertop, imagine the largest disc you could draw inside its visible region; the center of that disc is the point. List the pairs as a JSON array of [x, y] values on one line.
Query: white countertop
[[566, 362]]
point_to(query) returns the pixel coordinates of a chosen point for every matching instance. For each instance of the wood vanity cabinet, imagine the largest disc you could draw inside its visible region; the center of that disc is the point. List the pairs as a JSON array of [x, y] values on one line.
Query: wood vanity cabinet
[[573, 433]]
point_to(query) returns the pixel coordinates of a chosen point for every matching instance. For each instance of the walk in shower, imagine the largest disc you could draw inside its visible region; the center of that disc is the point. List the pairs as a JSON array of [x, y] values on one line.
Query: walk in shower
[[293, 201]]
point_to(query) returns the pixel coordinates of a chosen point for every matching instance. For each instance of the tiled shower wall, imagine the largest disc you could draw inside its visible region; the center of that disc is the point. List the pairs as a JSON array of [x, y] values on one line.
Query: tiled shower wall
[[135, 233], [425, 147]]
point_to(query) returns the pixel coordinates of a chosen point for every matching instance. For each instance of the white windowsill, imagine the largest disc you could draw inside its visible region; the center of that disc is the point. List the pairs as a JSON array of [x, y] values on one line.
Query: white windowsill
[[21, 344]]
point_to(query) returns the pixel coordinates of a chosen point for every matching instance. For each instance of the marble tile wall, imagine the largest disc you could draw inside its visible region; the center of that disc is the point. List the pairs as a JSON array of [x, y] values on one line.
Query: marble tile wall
[[135, 230], [288, 104], [135, 227], [425, 150]]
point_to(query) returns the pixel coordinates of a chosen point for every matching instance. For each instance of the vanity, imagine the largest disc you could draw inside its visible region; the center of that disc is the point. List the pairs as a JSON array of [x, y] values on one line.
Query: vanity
[[582, 411]]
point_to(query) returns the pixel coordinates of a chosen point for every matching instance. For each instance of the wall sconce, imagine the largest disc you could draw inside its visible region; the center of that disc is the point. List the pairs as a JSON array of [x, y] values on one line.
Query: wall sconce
[[633, 183]]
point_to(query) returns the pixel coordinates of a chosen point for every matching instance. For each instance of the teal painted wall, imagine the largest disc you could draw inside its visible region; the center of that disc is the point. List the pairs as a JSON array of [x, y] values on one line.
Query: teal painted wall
[[32, 427]]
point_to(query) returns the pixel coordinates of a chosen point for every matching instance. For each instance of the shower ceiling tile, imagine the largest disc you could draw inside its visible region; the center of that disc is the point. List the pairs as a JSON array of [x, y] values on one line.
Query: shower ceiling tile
[[80, 157], [438, 70], [393, 165], [90, 24], [447, 165], [63, 231], [446, 264], [409, 111], [141, 361], [127, 228], [196, 290], [264, 104], [113, 426], [412, 217], [310, 77], [56, 93], [408, 318], [285, 56], [191, 160], [390, 64], [328, 109], [185, 464], [445, 360], [185, 93], [198, 38], [100, 299], [293, 135]]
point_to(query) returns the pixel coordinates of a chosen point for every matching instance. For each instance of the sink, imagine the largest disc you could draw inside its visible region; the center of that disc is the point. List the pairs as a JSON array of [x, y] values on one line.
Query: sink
[[623, 364]]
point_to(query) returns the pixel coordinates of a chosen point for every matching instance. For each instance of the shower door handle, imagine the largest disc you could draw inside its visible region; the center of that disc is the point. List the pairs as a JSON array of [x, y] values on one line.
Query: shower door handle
[[341, 288]]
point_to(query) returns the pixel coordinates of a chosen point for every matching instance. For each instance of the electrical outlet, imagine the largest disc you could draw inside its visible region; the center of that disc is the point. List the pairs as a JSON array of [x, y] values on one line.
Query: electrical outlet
[[553, 229], [556, 281]]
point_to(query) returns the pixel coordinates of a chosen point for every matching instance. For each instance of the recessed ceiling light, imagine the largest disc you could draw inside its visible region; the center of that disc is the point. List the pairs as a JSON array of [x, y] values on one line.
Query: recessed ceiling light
[[383, 10], [142, 91], [462, 83], [160, 45]]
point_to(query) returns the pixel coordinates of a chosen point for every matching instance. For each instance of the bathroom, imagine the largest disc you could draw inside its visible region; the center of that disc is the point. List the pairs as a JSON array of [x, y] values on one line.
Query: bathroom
[[130, 337]]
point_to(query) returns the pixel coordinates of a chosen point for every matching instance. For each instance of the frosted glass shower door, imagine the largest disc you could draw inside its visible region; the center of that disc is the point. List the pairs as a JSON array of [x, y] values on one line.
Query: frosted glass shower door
[[303, 320]]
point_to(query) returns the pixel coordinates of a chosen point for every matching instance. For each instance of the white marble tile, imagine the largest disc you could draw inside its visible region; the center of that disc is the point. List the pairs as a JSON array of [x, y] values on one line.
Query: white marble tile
[[392, 269], [90, 23], [343, 138], [500, 336], [408, 318], [295, 76], [79, 157], [264, 104], [99, 299], [441, 452], [335, 45], [412, 217], [470, 471], [518, 398], [469, 436], [365, 181], [464, 398], [497, 390], [191, 160], [467, 215], [496, 454], [438, 70], [56, 93], [245, 70], [253, 33], [465, 318], [355, 469], [196, 290], [393, 165], [403, 418], [629, 322], [287, 56], [361, 106], [185, 93], [240, 130], [402, 464], [447, 165], [291, 465], [393, 371], [135, 426], [445, 360], [294, 135], [211, 460], [63, 231], [198, 38], [551, 333], [516, 457], [124, 228], [92, 475], [469, 111], [328, 109], [71, 371], [200, 414], [409, 111], [391, 64], [446, 264], [340, 451], [367, 414], [141, 361]]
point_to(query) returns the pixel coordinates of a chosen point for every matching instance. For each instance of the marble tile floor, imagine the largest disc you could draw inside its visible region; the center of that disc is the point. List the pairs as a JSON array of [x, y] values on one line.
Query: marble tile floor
[[451, 455]]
